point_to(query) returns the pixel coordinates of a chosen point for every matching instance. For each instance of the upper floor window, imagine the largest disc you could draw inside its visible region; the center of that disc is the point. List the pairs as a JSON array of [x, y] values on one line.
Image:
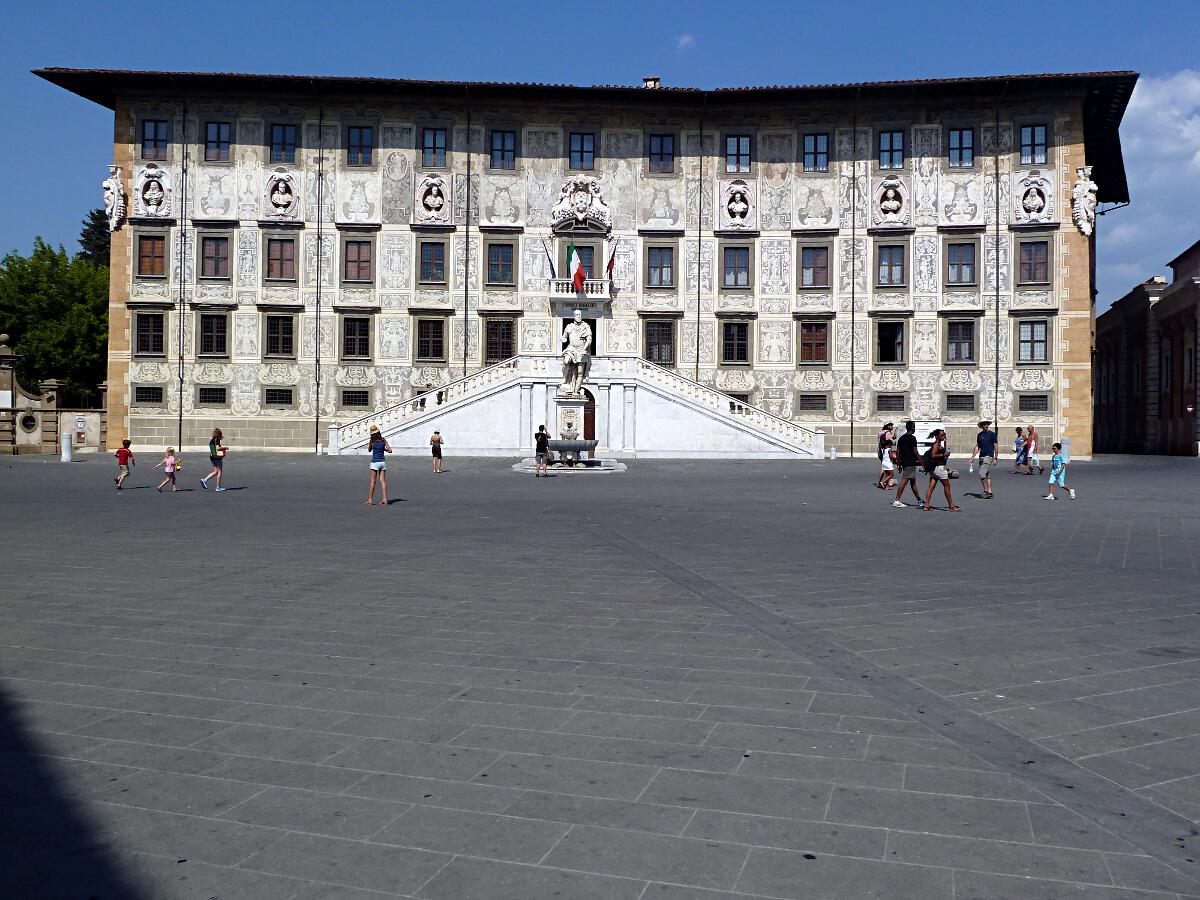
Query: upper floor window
[[962, 147], [660, 342], [814, 342], [814, 267], [357, 261], [214, 334], [737, 153], [587, 261], [431, 340], [281, 336], [152, 256], [960, 263], [889, 342], [891, 265], [662, 154], [660, 267], [281, 259], [283, 143], [1031, 341], [432, 263], [500, 264], [583, 150], [360, 145], [1033, 145], [356, 337], [891, 149], [216, 141], [816, 152], [504, 150], [735, 267], [214, 257], [960, 342], [433, 147], [499, 340], [154, 139], [735, 342], [150, 334], [1035, 263]]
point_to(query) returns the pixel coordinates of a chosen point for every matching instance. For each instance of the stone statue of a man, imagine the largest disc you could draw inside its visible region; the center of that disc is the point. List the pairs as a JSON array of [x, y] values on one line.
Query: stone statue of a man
[[576, 355]]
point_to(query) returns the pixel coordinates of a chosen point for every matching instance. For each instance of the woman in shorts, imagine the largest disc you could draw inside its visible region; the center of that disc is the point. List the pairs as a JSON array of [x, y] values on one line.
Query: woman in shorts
[[377, 445], [216, 455], [937, 459]]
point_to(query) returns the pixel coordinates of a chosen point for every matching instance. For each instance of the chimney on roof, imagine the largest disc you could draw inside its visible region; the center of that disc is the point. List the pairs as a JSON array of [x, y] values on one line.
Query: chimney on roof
[[651, 82]]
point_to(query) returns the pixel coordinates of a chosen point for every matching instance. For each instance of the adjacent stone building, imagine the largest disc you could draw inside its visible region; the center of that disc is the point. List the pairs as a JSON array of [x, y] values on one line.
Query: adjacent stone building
[[1147, 365], [292, 252]]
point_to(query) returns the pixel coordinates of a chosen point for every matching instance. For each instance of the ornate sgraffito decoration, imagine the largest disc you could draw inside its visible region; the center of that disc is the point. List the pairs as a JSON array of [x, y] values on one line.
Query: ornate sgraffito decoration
[[504, 199], [114, 198], [890, 206], [775, 266], [580, 206], [216, 194], [1033, 197], [1083, 201], [774, 341], [662, 207], [815, 203], [535, 336], [281, 199], [737, 205], [153, 188], [397, 181], [925, 264], [431, 204], [960, 201], [927, 143], [246, 174], [358, 207]]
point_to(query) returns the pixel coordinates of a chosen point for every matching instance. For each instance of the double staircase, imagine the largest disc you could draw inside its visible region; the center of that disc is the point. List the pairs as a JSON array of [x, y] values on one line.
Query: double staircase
[[641, 410]]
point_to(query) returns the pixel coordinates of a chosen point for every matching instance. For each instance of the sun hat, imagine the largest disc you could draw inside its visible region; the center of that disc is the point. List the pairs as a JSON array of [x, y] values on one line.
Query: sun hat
[[374, 429]]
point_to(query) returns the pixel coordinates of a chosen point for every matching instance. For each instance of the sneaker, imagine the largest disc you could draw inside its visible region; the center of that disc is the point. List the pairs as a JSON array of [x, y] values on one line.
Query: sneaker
[[204, 483], [220, 489], [158, 489], [1072, 490], [899, 505], [1048, 497], [920, 504]]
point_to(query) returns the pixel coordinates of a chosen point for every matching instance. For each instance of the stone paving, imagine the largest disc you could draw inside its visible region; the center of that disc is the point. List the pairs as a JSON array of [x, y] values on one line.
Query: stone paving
[[691, 681]]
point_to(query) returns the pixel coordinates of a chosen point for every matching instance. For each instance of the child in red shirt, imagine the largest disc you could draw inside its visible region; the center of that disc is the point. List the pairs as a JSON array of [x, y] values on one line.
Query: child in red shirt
[[124, 460]]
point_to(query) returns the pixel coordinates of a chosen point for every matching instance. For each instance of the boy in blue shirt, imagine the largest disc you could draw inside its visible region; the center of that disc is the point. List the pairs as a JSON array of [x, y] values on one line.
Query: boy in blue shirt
[[1058, 474]]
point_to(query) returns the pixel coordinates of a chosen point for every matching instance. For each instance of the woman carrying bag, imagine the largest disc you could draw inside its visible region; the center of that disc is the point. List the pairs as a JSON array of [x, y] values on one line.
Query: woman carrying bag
[[936, 461], [216, 455]]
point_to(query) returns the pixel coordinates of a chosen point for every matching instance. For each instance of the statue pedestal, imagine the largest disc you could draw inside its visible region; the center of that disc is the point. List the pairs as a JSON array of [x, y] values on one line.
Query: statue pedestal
[[569, 416]]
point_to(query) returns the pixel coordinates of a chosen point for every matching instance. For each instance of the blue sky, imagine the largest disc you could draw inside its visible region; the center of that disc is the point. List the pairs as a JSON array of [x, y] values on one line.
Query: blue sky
[[57, 145]]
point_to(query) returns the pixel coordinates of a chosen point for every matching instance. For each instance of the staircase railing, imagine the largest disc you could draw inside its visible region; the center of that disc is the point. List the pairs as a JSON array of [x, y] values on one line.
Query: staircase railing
[[359, 429], [808, 439]]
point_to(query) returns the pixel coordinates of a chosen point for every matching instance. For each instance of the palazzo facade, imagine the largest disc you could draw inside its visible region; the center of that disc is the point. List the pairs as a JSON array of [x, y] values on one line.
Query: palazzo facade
[[290, 253]]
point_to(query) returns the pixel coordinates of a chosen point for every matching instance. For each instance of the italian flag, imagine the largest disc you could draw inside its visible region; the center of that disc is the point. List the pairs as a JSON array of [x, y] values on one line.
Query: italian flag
[[575, 267]]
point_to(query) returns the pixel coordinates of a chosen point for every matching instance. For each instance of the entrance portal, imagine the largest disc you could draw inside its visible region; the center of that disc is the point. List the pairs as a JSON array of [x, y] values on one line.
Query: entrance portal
[[589, 420]]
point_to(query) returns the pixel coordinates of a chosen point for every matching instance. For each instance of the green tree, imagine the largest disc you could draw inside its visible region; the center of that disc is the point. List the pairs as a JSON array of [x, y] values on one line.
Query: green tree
[[94, 238], [55, 310]]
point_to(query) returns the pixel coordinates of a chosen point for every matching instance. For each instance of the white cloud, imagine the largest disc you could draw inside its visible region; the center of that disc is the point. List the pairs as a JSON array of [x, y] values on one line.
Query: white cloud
[[1160, 137], [683, 42]]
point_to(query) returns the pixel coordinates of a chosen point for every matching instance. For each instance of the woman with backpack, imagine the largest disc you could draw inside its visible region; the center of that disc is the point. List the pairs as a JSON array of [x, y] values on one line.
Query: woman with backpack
[[937, 459]]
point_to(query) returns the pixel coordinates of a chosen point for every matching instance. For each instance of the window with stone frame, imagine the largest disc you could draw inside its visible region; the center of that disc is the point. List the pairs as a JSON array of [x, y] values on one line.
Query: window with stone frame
[[150, 328], [814, 343], [154, 139], [737, 154], [891, 149], [890, 269], [735, 268], [960, 341], [357, 262], [889, 403], [889, 342], [216, 141], [814, 267], [960, 264], [207, 395], [356, 398], [499, 339], [1033, 145], [503, 149], [660, 341], [431, 340], [1033, 262], [281, 259], [961, 148], [214, 334], [1033, 403], [960, 403], [152, 256], [147, 395], [660, 267], [432, 262], [433, 148], [500, 263], [735, 343], [278, 396], [283, 142], [280, 341], [356, 337], [661, 153], [360, 145], [1032, 344], [816, 152], [214, 256], [582, 150]]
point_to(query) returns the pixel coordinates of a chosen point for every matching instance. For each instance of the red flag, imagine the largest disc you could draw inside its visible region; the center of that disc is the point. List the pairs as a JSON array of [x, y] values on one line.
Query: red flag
[[612, 258]]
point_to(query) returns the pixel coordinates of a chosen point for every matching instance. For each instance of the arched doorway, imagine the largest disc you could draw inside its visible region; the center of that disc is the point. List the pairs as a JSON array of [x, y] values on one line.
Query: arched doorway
[[589, 420]]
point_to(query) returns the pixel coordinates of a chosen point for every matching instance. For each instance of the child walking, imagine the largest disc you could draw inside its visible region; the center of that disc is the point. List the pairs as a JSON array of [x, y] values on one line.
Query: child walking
[[169, 464], [887, 466], [124, 460], [1058, 474]]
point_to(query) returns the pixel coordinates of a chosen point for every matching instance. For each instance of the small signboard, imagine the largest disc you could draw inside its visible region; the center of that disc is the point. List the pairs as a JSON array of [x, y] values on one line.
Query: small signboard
[[80, 423]]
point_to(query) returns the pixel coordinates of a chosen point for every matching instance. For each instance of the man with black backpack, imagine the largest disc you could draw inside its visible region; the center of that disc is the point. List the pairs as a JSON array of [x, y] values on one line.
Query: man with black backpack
[[908, 458]]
